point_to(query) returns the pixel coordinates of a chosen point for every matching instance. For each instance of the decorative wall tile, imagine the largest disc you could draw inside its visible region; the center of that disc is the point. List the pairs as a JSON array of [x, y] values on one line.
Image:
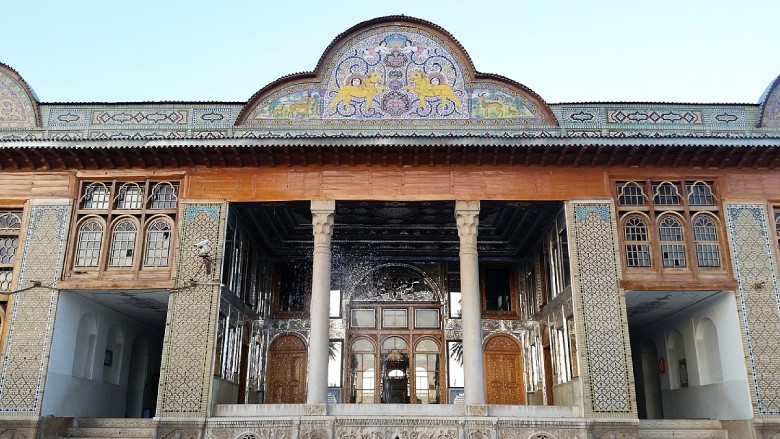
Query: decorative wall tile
[[140, 116], [755, 269], [136, 134], [16, 108], [68, 117], [186, 373], [600, 307], [32, 317], [653, 116]]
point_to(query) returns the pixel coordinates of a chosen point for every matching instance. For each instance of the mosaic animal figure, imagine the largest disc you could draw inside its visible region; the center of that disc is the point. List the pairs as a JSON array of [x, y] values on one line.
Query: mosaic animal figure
[[424, 87], [487, 106], [301, 108], [365, 87]]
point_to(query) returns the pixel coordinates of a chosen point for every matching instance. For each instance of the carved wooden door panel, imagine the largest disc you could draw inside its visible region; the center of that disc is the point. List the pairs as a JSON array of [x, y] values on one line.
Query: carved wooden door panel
[[503, 372], [286, 378]]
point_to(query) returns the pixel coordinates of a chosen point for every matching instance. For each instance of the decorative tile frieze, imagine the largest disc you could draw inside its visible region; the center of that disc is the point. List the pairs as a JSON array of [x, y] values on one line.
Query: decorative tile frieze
[[67, 117], [137, 135], [653, 116], [32, 317], [726, 117], [186, 373], [140, 116], [580, 116], [602, 323], [755, 270]]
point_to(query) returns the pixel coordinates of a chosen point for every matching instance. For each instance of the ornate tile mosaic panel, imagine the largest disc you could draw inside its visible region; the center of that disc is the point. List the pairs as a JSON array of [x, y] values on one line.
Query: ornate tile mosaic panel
[[186, 373], [32, 317], [602, 324], [755, 270], [16, 109]]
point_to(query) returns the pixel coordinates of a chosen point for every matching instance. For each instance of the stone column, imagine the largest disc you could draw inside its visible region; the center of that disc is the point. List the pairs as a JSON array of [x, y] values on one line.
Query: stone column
[[467, 219], [322, 225]]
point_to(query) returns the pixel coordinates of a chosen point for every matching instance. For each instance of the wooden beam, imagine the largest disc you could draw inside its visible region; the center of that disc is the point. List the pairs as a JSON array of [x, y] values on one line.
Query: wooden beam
[[580, 154], [597, 155], [432, 156], [562, 155], [630, 155], [304, 161], [758, 160], [646, 156], [747, 154], [512, 152], [384, 155], [545, 154], [680, 155]]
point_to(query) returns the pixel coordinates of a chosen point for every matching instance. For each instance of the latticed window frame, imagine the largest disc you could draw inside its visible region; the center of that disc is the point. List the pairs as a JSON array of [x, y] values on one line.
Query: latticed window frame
[[10, 229], [685, 198], [671, 237], [142, 201], [636, 248]]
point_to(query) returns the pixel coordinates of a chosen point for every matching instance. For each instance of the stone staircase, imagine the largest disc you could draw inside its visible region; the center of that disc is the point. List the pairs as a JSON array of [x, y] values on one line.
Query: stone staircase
[[104, 428], [681, 428]]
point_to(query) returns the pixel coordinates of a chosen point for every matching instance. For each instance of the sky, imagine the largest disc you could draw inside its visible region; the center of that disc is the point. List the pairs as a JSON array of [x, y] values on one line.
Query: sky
[[689, 51]]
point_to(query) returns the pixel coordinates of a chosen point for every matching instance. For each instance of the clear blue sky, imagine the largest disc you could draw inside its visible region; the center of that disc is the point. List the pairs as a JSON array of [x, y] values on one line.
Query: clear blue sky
[[566, 51]]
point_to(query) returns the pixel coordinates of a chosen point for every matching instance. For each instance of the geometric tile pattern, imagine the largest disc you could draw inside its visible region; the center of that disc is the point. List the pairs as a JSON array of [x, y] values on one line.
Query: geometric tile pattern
[[26, 354], [193, 306], [755, 269], [654, 116], [600, 311]]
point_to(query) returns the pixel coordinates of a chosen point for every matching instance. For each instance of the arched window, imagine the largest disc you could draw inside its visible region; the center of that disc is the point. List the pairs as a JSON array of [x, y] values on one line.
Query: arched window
[[631, 193], [363, 372], [636, 241], [123, 244], [700, 194], [163, 196], [705, 234], [88, 243], [670, 231], [130, 196], [426, 372], [96, 196], [666, 193], [158, 241]]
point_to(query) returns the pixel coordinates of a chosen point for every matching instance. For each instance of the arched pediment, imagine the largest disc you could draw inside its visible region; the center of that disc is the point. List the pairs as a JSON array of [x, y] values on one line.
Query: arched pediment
[[18, 104], [769, 110], [395, 69]]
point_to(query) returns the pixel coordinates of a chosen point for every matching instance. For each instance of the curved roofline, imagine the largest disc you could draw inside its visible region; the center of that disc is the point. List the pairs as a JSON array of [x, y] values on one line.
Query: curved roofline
[[764, 98], [315, 75], [27, 89]]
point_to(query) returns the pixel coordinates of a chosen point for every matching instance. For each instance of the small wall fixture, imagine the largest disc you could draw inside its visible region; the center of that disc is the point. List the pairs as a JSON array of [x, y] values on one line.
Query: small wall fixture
[[203, 250]]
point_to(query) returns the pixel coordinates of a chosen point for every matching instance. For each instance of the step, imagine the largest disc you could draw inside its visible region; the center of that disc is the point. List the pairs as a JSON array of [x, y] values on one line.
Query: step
[[114, 422], [116, 432], [681, 428]]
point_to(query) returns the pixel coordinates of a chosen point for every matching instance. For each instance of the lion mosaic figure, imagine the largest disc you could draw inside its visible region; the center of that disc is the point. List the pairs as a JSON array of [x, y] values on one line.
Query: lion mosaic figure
[[359, 86], [431, 86]]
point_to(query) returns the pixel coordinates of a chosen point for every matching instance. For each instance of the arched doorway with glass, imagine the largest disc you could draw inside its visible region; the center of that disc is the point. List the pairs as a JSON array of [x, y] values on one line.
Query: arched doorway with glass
[[395, 348]]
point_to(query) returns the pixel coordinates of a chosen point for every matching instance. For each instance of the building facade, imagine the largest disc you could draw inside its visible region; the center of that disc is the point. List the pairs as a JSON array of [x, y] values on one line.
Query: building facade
[[393, 245]]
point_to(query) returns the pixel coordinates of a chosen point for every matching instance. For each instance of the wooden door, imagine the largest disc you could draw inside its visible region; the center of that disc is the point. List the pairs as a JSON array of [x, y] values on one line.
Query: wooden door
[[286, 377], [503, 371]]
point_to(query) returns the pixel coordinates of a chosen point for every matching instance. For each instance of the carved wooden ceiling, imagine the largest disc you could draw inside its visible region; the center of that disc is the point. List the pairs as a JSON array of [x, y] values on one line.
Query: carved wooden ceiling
[[419, 229]]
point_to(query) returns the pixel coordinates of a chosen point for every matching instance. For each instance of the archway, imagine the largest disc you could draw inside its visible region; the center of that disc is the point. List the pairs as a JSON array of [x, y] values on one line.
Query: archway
[[286, 379], [503, 371]]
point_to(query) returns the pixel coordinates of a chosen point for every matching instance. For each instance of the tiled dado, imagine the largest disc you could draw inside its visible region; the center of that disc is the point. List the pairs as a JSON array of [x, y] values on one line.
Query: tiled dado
[[185, 376], [755, 270], [32, 317], [602, 325]]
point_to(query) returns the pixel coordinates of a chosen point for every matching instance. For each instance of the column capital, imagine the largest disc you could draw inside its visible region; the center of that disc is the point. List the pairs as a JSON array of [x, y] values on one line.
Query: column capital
[[322, 219], [467, 219]]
